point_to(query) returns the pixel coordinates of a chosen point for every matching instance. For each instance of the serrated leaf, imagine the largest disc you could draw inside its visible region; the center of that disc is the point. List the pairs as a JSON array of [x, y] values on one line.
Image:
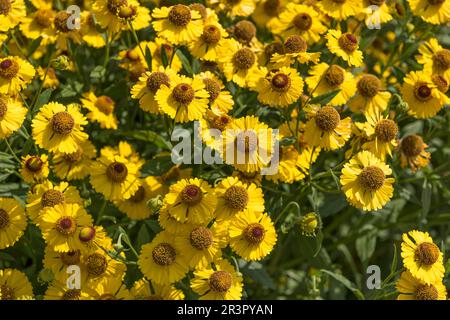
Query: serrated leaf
[[324, 98]]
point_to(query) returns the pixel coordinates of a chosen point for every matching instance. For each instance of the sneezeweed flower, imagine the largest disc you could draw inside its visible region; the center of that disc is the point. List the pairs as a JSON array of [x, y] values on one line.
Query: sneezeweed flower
[[75, 165], [48, 76], [326, 78], [288, 169], [115, 177], [98, 265], [191, 200], [40, 24], [89, 32], [58, 262], [248, 177], [375, 13], [310, 224], [15, 74], [326, 129], [143, 290], [279, 88], [370, 97], [345, 46], [435, 58], [340, 9], [14, 285], [12, 222], [11, 13], [34, 168], [241, 8], [12, 115], [252, 235], [61, 224], [59, 128], [161, 261], [422, 95], [422, 257], [148, 85], [185, 100], [366, 183], [101, 110], [244, 31], [58, 290], [111, 288], [156, 48], [219, 283], [410, 288], [125, 150], [178, 24], [93, 238], [220, 100], [64, 31], [211, 128], [168, 222], [431, 11], [267, 11], [234, 197], [412, 152], [294, 50], [301, 20], [46, 195]]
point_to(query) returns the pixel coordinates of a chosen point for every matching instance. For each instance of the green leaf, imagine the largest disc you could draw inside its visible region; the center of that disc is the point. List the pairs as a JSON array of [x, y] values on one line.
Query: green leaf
[[185, 61], [157, 166], [324, 98], [98, 73], [347, 283], [34, 45], [365, 245], [164, 59], [148, 58], [148, 136], [256, 271], [426, 198], [288, 141], [43, 98]]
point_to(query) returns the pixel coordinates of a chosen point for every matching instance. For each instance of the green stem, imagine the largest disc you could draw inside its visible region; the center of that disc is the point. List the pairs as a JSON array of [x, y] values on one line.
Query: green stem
[[100, 213], [12, 152]]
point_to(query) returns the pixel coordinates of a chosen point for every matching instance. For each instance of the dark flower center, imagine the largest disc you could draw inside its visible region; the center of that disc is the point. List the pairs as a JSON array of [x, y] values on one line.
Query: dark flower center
[[62, 123], [369, 85], [87, 234], [272, 7], [427, 292], [295, 44], [44, 18], [71, 257], [220, 281], [386, 130], [164, 254], [327, 119], [372, 178], [254, 233], [3, 108], [334, 76], [244, 31], [96, 264], [180, 15], [115, 5], [156, 80], [281, 82], [139, 196], [5, 7], [236, 197], [4, 219], [191, 195], [211, 34], [412, 145], [183, 93], [71, 294], [117, 172], [201, 238], [34, 164], [427, 253], [272, 48], [74, 157], [66, 225], [51, 198], [348, 42], [9, 69], [213, 88], [61, 21], [440, 82], [422, 92], [105, 104], [441, 60], [244, 59], [302, 21], [7, 293]]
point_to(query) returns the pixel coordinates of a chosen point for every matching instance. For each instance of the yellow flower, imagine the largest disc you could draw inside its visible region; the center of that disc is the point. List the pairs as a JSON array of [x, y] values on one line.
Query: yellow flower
[[280, 87], [267, 11], [248, 177], [97, 266], [298, 19], [242, 8], [310, 224], [345, 46], [40, 24], [374, 13], [326, 129], [289, 170], [114, 177], [412, 152], [89, 31], [208, 126], [93, 238], [101, 110], [252, 235], [431, 11], [74, 166], [422, 257], [15, 74], [339, 9], [365, 182], [234, 197], [49, 77], [294, 50], [124, 149], [170, 223], [111, 288], [191, 200], [370, 97], [325, 79], [58, 262], [14, 285], [435, 58], [422, 95], [177, 24], [64, 32], [34, 168], [12, 115], [11, 13], [411, 288], [220, 100], [58, 290], [185, 100], [161, 261], [59, 128], [12, 222], [156, 48], [148, 85], [219, 283], [143, 290], [61, 224]]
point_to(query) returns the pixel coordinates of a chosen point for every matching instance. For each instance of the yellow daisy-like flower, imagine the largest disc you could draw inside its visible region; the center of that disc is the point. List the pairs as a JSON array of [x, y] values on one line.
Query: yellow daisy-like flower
[[326, 129], [211, 128], [12, 222], [370, 97], [241, 8], [12, 115], [40, 24], [124, 149], [294, 49], [15, 74], [365, 182], [177, 24], [64, 32], [156, 48], [252, 235], [201, 244], [48, 76], [170, 223], [340, 9], [89, 30], [58, 290], [412, 152], [267, 11], [280, 87], [219, 283], [234, 197], [11, 13], [185, 100], [97, 266], [345, 46], [47, 194], [288, 169], [220, 100], [58, 128], [115, 177], [143, 290], [248, 177], [148, 85], [111, 288], [14, 285], [74, 166], [248, 144], [411, 288], [34, 168], [422, 257], [435, 58], [375, 13], [431, 11], [93, 238], [191, 200], [61, 225], [325, 78], [239, 64], [101, 110], [299, 19], [422, 95], [161, 261], [58, 262]]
